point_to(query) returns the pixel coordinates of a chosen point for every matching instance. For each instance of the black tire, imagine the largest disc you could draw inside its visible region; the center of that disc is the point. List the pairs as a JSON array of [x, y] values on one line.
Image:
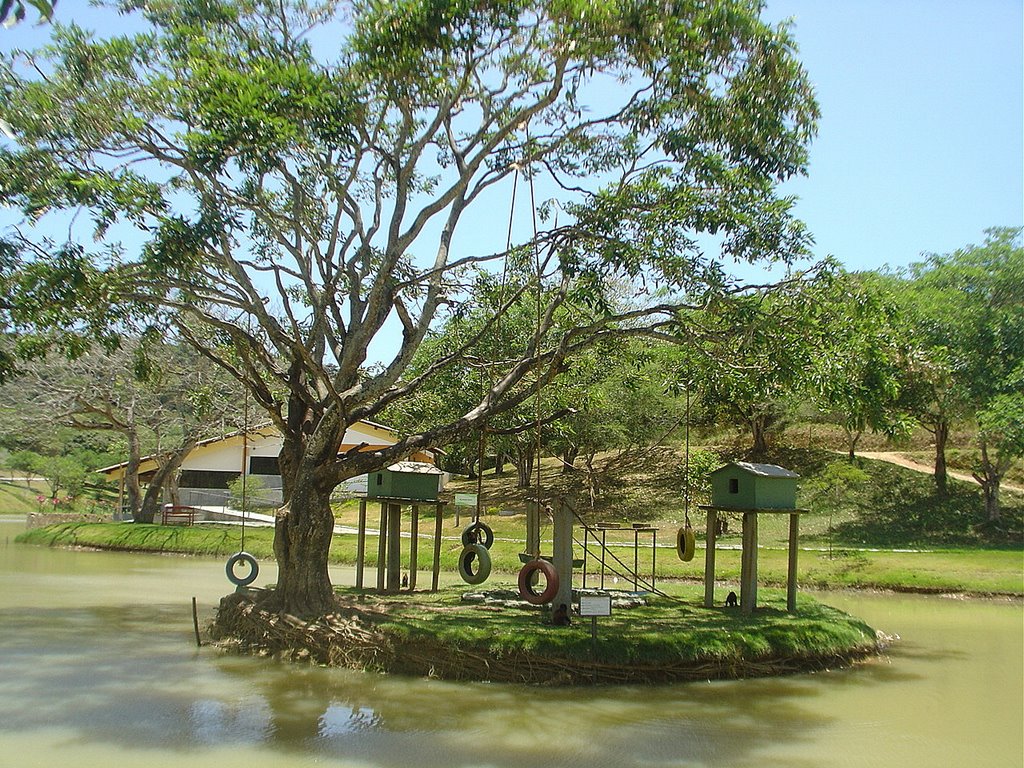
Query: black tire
[[470, 553], [242, 557], [473, 533], [526, 590], [685, 544]]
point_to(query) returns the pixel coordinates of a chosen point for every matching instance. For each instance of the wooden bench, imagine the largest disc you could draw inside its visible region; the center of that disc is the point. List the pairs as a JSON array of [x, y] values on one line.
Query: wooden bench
[[177, 515]]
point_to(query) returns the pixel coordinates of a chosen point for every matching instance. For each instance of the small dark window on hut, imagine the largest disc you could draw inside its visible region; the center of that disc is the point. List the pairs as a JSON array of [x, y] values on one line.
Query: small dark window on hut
[[380, 478], [734, 485]]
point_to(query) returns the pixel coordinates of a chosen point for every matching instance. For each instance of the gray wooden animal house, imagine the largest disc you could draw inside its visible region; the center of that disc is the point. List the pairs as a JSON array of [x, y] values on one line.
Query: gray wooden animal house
[[405, 483], [741, 485], [751, 489], [413, 480]]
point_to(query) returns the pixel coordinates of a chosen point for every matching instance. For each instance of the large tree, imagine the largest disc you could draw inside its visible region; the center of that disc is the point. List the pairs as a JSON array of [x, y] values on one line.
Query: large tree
[[964, 314], [286, 178]]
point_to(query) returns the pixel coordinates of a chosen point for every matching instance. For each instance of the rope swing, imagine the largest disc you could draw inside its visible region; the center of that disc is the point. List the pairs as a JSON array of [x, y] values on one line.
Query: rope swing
[[241, 556]]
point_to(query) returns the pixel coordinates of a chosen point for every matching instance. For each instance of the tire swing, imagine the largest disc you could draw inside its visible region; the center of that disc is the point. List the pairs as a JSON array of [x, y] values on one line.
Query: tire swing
[[526, 590], [685, 543], [241, 556], [478, 533], [470, 553], [250, 561]]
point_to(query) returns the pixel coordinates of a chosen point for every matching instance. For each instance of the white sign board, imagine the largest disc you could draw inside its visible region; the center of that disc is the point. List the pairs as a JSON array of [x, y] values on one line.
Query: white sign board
[[595, 605], [465, 499]]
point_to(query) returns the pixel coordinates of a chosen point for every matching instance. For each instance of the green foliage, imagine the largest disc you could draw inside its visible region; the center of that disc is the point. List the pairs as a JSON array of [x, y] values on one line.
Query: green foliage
[[249, 494], [43, 7]]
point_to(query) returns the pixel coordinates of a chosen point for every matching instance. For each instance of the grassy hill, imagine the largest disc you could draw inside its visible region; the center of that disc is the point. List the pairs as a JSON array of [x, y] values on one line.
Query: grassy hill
[[878, 504]]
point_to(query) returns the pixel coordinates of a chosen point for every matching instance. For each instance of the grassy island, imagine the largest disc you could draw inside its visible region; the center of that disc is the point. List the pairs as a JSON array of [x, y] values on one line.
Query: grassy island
[[887, 532], [492, 636]]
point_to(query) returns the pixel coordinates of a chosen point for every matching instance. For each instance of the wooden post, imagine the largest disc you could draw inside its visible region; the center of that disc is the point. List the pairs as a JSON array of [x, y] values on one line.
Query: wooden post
[[794, 546], [709, 559], [361, 544], [561, 556], [414, 543], [437, 546], [382, 537], [394, 549], [748, 568]]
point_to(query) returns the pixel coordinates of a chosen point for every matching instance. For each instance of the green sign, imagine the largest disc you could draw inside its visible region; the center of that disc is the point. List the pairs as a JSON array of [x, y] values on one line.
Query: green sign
[[465, 499]]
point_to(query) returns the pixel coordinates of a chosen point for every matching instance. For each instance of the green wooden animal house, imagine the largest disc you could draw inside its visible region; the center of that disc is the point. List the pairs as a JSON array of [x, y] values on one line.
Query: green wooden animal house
[[413, 480], [742, 485]]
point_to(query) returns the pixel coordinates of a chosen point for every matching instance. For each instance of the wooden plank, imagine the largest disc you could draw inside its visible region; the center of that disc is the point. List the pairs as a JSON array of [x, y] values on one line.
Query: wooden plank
[[382, 537], [709, 559], [394, 548], [437, 546], [414, 546], [748, 567], [794, 548], [361, 544]]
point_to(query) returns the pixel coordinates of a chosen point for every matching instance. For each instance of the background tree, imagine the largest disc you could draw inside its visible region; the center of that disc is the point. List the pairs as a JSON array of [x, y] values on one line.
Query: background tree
[[263, 193], [157, 399], [965, 316], [859, 367]]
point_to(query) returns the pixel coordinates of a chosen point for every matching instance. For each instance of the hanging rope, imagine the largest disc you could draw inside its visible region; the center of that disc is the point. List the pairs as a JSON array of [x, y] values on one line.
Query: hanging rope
[[686, 460], [245, 440], [482, 442], [540, 316]]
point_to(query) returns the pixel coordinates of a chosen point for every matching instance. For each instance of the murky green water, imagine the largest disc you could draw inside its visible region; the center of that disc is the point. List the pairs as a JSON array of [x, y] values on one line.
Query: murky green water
[[98, 667]]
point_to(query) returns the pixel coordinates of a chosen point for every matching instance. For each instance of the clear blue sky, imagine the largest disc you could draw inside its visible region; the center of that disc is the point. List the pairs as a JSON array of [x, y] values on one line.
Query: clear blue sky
[[921, 141]]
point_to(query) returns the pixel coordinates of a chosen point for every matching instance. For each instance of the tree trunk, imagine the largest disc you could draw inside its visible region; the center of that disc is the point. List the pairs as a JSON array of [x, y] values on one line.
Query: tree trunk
[[305, 523], [132, 488], [499, 464], [852, 438], [989, 478], [941, 437], [569, 456], [167, 468], [759, 430], [593, 486], [524, 466], [302, 538]]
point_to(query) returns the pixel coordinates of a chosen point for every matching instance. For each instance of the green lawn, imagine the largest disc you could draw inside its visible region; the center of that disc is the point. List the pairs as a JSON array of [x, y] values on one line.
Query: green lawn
[[954, 570]]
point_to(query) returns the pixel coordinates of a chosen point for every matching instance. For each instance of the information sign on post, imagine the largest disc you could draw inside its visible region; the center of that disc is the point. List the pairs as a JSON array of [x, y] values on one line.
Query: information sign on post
[[463, 500], [595, 605]]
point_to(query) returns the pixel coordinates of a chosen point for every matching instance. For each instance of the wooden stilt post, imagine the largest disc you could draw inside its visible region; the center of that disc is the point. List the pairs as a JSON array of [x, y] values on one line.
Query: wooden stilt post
[[709, 559], [561, 556], [382, 538], [794, 546], [361, 544], [414, 546], [748, 567], [437, 546], [394, 548]]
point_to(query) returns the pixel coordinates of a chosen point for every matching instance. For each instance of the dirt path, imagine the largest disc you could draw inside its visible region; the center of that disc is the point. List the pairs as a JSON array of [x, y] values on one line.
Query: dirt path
[[903, 461]]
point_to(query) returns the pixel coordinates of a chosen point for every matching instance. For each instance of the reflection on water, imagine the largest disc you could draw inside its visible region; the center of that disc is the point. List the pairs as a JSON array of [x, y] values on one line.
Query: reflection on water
[[98, 665]]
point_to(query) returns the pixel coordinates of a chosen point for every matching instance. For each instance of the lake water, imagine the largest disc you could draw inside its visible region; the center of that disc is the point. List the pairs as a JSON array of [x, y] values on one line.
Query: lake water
[[98, 668]]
